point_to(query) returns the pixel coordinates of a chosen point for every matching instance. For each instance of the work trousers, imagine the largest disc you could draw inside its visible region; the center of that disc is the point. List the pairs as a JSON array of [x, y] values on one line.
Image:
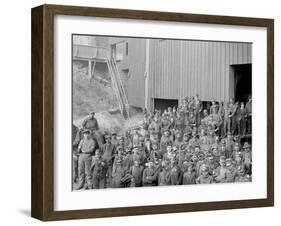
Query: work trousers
[[84, 170], [75, 167], [99, 181]]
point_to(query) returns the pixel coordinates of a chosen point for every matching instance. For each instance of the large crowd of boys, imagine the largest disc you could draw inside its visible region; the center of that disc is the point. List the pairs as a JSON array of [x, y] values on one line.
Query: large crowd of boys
[[188, 144]]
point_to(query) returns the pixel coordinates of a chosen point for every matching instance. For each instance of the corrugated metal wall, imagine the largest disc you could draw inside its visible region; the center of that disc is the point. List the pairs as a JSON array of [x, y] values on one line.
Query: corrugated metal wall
[[184, 68]]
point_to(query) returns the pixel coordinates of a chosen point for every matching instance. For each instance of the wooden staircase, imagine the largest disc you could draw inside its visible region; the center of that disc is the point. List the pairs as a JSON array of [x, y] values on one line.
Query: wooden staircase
[[118, 88]]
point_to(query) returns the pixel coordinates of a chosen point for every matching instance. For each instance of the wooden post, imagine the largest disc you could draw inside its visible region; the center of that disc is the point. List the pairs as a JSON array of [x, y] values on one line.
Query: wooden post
[[146, 103], [93, 70], [89, 69]]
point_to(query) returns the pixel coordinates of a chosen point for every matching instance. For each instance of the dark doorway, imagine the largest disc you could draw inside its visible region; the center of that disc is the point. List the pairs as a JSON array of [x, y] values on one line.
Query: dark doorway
[[242, 81], [163, 104]]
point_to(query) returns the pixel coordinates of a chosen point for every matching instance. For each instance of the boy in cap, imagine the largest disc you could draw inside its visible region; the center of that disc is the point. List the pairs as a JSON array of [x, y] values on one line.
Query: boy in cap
[[192, 120], [99, 169], [179, 122], [114, 140], [165, 141], [136, 171], [205, 177], [154, 153], [169, 154], [178, 139], [181, 155], [199, 163], [222, 147], [247, 156], [243, 115], [128, 160], [231, 171], [214, 107], [197, 109], [117, 174], [220, 174], [194, 141], [229, 144], [175, 172], [149, 176], [189, 175], [249, 115], [108, 153], [242, 176], [119, 155], [164, 175]]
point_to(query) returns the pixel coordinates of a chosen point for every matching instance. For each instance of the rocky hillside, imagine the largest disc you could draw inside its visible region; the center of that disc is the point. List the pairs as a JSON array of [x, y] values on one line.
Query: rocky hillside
[[90, 96], [97, 95]]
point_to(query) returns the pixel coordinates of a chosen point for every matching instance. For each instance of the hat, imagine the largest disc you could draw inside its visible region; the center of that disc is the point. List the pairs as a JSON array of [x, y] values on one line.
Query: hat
[[214, 146], [228, 161], [236, 144], [204, 168], [120, 137], [166, 130], [107, 136], [128, 149], [119, 148], [246, 145], [178, 133], [92, 113], [201, 154], [183, 146], [86, 131], [154, 143], [119, 160], [241, 169], [222, 158]]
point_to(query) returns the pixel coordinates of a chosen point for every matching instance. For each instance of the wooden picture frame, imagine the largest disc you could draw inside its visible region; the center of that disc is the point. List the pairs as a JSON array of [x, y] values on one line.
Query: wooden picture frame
[[42, 203]]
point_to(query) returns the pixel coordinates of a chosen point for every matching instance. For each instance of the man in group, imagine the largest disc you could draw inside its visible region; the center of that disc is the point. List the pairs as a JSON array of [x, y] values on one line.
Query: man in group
[[75, 154], [197, 109], [86, 149], [247, 157], [149, 176], [249, 115], [91, 124]]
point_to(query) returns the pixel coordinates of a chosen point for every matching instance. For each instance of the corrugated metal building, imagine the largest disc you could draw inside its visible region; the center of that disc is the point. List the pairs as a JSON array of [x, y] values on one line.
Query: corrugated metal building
[[168, 70]]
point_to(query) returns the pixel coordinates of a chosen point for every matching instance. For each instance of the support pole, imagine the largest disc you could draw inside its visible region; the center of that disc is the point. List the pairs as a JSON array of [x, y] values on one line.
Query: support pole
[[146, 74], [89, 69]]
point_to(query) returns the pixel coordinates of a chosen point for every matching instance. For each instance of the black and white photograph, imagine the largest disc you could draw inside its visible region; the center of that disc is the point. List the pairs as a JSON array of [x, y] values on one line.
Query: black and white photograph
[[160, 112]]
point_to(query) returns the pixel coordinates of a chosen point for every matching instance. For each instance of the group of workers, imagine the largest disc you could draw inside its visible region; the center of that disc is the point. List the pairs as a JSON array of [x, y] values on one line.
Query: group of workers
[[188, 144]]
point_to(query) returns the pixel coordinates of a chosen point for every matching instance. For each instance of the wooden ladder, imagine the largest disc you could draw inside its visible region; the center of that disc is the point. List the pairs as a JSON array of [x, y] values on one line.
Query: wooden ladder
[[118, 88]]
